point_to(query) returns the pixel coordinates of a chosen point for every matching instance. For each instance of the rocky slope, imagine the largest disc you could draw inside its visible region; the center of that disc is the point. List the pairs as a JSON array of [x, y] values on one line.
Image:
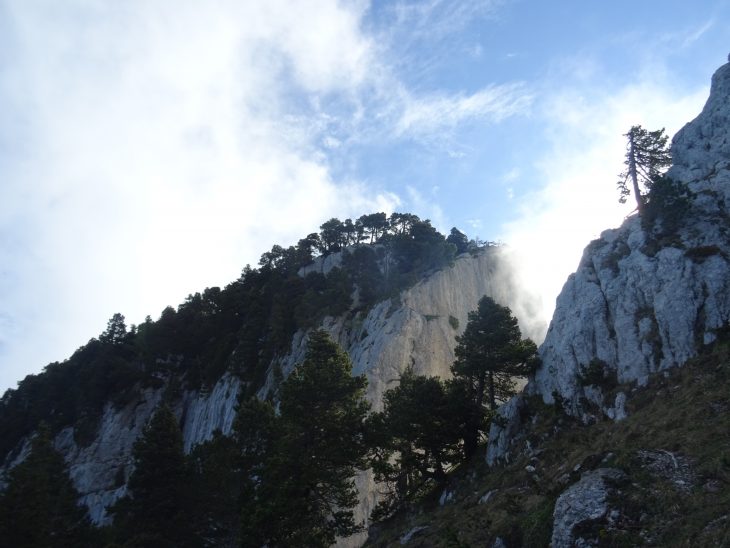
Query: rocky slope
[[646, 296], [661, 477], [418, 329]]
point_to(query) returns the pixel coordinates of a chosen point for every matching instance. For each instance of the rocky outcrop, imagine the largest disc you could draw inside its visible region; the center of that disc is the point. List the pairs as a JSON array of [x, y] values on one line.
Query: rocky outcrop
[[100, 469], [418, 329], [584, 507], [644, 299], [505, 428], [648, 295]]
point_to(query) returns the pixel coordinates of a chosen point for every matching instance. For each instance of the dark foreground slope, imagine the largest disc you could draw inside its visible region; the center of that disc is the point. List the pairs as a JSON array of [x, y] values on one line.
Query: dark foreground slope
[[661, 477]]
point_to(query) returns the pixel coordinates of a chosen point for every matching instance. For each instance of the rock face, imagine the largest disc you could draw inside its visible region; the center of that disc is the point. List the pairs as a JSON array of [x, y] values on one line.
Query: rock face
[[646, 297], [640, 301], [418, 330], [101, 469], [583, 504]]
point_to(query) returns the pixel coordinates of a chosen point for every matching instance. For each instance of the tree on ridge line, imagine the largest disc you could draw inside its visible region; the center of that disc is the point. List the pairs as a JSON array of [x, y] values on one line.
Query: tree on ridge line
[[647, 156]]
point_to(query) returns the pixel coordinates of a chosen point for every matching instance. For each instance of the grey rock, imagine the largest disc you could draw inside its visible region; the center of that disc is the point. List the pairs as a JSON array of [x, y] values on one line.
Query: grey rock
[[669, 466], [618, 411], [487, 496], [405, 539], [641, 310], [504, 429], [584, 501]]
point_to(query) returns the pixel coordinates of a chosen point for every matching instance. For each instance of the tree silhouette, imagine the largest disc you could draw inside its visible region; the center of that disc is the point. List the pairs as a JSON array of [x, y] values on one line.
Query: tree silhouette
[[116, 330], [489, 354], [39, 505], [304, 461], [647, 156], [156, 512]]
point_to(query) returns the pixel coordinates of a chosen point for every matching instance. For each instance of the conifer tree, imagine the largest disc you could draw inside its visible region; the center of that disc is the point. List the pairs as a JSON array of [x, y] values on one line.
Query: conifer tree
[[414, 440], [489, 355], [305, 493], [39, 505], [116, 330], [156, 512], [647, 156], [217, 489]]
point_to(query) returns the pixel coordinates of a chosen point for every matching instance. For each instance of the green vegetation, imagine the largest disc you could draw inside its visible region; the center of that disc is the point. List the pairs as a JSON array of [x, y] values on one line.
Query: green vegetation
[[647, 155], [414, 440], [668, 202], [454, 322], [429, 426], [158, 509], [280, 480], [305, 459], [597, 373], [39, 505]]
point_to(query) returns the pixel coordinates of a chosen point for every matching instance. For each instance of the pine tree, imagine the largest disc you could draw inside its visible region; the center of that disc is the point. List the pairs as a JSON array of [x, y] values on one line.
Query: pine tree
[[306, 491], [414, 440], [116, 330], [489, 355], [156, 512], [216, 479], [39, 505], [647, 156]]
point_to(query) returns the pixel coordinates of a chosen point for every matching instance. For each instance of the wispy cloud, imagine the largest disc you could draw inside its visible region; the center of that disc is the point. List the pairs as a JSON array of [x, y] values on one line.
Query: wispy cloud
[[687, 37], [441, 17], [436, 114]]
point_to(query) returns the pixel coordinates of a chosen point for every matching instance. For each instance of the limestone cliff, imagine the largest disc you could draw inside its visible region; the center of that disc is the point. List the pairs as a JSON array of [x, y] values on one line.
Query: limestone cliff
[[646, 296], [418, 329]]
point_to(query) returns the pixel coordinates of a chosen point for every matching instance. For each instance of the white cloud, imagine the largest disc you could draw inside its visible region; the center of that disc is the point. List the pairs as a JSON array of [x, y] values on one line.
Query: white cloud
[[154, 148], [439, 113], [442, 17], [579, 199], [156, 156]]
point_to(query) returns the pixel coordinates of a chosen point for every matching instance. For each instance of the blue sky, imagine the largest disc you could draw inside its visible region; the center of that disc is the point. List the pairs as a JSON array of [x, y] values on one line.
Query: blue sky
[[151, 149]]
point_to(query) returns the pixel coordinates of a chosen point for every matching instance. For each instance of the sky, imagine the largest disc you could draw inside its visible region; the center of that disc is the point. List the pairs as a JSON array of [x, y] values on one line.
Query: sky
[[151, 149]]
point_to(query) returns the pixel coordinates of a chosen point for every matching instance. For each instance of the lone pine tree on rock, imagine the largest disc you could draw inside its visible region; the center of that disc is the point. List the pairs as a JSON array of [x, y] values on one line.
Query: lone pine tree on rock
[[647, 156]]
